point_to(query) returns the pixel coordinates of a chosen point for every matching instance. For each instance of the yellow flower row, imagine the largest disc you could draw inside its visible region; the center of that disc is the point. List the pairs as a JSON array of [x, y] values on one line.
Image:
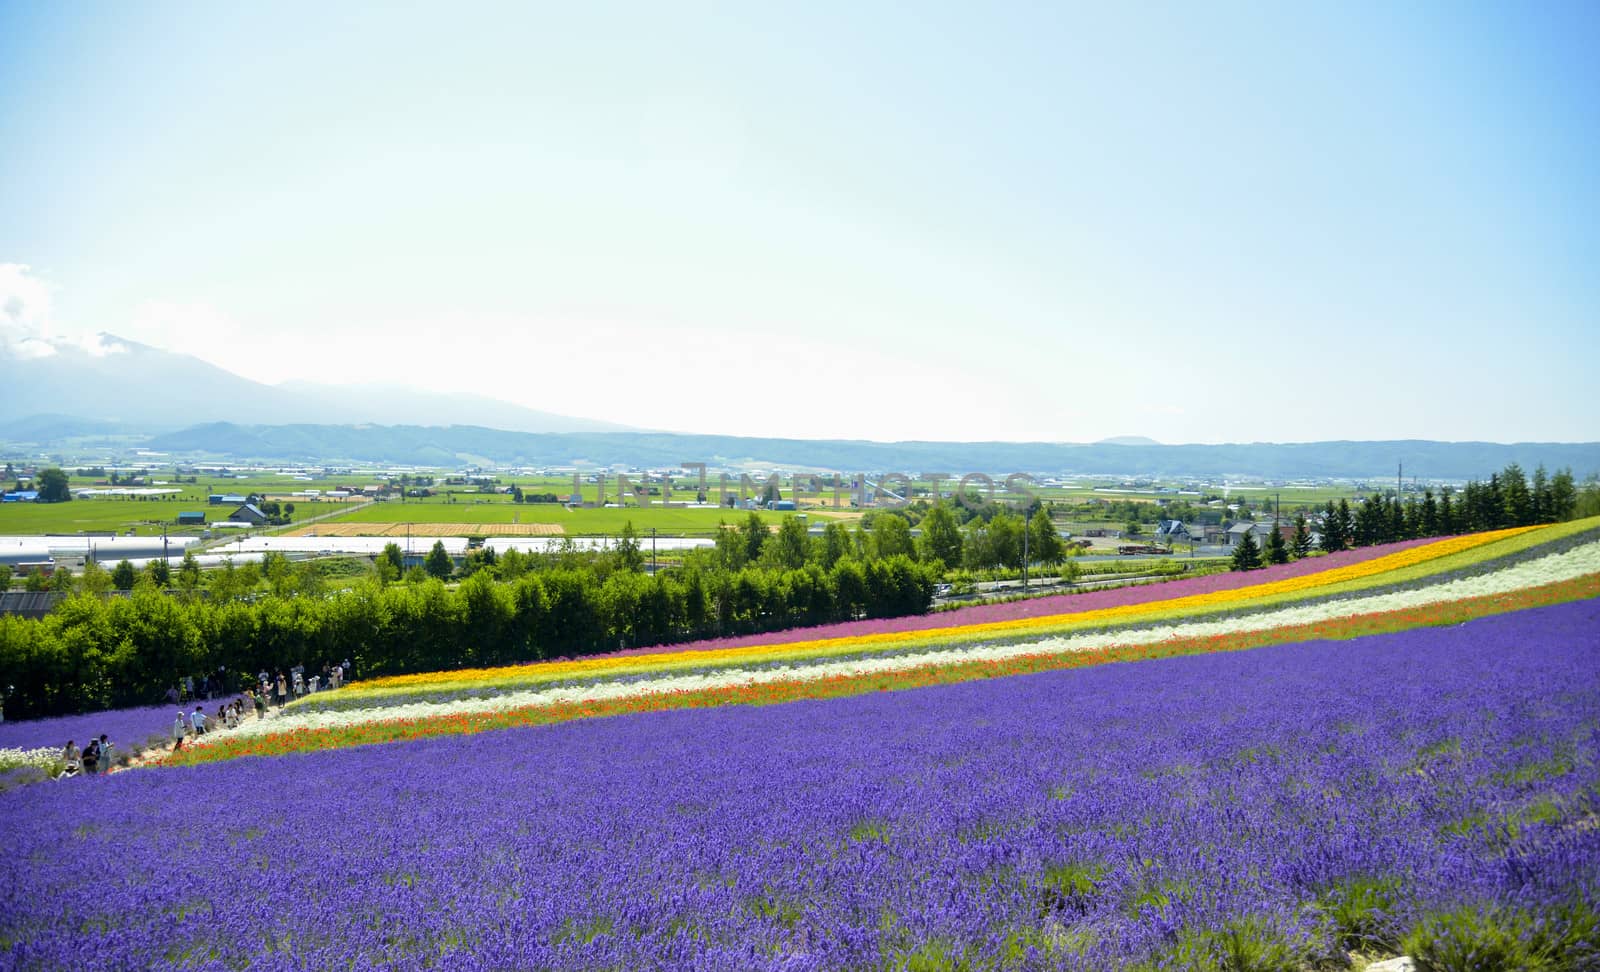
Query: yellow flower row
[[1350, 577]]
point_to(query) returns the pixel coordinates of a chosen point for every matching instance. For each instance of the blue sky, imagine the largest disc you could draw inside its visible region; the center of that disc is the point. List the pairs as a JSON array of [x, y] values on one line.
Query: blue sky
[[1198, 223]]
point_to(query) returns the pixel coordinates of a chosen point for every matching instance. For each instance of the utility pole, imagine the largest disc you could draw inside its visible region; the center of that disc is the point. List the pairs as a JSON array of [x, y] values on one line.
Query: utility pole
[[652, 551], [1025, 532]]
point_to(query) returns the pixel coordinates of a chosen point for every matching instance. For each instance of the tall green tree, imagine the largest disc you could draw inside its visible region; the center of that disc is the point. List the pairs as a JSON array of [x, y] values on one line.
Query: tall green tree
[[1044, 540], [1539, 496], [1333, 535], [626, 553], [941, 537], [438, 563], [94, 579], [1301, 546], [1563, 496], [1246, 555], [279, 573], [790, 547], [395, 557], [1518, 501], [53, 486], [123, 576], [754, 533], [159, 573], [835, 544], [730, 547], [891, 536], [189, 573], [1447, 512], [1005, 540], [1277, 550]]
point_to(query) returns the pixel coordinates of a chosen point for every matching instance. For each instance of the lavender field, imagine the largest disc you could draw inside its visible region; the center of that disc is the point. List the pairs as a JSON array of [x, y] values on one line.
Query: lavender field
[[1271, 809]]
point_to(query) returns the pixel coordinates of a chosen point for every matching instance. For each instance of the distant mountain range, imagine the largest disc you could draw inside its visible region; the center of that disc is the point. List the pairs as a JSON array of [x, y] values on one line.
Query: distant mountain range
[[456, 445], [113, 397], [112, 379]]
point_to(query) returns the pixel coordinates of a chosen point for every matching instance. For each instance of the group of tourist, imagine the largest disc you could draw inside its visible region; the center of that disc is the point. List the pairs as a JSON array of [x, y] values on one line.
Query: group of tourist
[[227, 717], [95, 758], [91, 760], [297, 683]]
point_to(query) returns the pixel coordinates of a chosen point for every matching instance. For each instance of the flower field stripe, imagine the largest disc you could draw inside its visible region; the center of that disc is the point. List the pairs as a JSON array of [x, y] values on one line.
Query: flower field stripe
[[40, 758], [1449, 603], [1138, 592], [1109, 818], [1573, 563], [1576, 562], [1349, 577]]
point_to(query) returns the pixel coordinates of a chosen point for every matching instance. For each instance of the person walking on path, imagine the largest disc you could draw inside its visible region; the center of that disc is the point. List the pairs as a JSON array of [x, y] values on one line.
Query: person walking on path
[[91, 757], [283, 690], [105, 753], [179, 730]]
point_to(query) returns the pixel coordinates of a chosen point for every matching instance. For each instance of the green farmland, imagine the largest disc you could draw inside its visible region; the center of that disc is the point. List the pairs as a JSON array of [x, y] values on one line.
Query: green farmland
[[121, 514], [578, 522]]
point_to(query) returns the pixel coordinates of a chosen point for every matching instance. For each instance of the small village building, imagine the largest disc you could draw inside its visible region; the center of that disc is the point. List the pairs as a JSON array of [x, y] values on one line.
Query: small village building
[[1258, 531], [248, 513], [1172, 531], [191, 519]]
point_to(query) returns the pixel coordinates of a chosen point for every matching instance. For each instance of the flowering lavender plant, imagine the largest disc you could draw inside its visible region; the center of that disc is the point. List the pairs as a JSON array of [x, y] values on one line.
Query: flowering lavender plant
[[1288, 803]]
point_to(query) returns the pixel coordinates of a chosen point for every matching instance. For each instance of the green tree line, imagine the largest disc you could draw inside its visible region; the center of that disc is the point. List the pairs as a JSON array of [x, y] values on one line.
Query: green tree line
[[1510, 498], [94, 652]]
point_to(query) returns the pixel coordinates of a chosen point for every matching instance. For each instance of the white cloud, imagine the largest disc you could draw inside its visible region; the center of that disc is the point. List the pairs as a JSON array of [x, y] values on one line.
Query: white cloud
[[24, 312]]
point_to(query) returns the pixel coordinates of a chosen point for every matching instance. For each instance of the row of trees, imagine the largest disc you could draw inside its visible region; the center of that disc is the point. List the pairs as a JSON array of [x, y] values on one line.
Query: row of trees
[[992, 539], [1510, 498], [94, 652]]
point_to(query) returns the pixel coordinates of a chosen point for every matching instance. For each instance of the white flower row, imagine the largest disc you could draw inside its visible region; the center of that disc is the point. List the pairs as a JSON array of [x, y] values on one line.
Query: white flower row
[[43, 758], [1533, 573]]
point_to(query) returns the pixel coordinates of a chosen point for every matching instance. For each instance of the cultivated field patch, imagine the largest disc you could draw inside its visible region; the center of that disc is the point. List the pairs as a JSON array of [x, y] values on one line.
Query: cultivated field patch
[[348, 529]]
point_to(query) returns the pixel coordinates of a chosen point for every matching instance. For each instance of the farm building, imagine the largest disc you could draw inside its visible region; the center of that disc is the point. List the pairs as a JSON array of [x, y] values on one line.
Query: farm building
[[1257, 530], [248, 513], [20, 496], [225, 499], [191, 519], [1172, 531]]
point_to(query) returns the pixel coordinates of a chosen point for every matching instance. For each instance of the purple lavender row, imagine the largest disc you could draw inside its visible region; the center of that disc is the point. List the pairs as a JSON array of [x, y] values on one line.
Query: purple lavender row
[[1080, 820], [126, 727]]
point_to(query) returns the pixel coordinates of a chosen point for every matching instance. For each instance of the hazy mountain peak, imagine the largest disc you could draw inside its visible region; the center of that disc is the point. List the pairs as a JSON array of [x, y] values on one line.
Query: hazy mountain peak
[[107, 377], [1129, 440]]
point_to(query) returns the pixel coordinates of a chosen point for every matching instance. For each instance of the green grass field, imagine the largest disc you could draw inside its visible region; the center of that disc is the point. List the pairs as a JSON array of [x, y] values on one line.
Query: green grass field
[[144, 517], [578, 522]]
